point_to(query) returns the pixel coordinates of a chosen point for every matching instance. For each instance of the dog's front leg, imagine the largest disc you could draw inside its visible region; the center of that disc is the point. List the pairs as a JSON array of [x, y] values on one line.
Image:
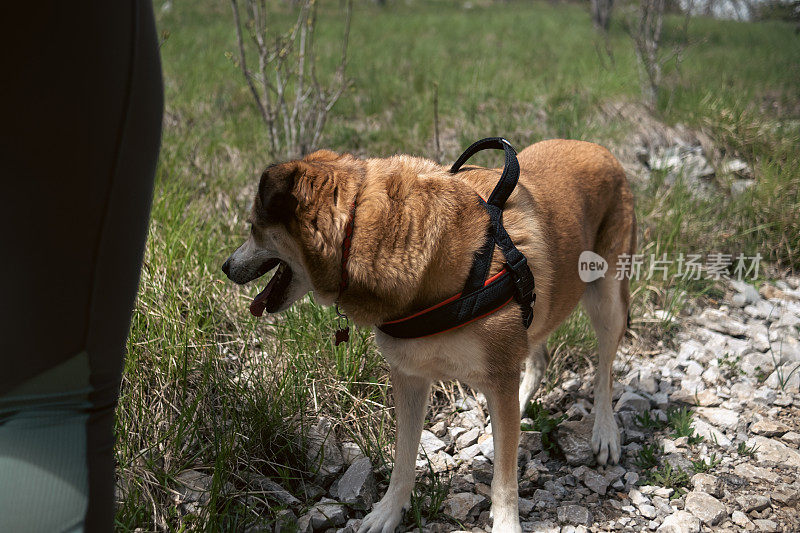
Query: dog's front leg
[[410, 399], [504, 410]]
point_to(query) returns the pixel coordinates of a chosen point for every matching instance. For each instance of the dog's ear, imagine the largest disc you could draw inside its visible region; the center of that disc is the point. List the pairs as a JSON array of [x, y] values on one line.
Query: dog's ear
[[275, 202]]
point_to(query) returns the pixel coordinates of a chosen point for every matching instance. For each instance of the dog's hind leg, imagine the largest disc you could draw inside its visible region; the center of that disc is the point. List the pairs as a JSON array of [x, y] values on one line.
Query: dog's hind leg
[[503, 403], [606, 302], [535, 366], [410, 399]]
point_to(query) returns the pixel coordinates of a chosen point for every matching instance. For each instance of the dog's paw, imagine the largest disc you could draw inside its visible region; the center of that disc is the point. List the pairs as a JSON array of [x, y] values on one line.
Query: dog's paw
[[384, 517], [505, 522], [605, 440]]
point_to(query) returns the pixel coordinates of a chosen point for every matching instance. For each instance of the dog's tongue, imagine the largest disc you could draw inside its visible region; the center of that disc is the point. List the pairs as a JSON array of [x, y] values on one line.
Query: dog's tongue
[[259, 303]]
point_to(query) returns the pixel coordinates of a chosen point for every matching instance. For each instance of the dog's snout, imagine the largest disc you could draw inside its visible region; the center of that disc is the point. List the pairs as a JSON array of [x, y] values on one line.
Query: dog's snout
[[226, 267]]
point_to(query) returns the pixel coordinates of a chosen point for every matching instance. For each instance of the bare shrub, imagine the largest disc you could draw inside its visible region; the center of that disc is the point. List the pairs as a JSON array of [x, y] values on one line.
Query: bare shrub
[[293, 101], [646, 34], [601, 13]]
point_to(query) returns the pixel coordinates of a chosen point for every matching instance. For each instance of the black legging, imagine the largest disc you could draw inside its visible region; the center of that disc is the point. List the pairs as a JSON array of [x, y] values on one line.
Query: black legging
[[81, 106]]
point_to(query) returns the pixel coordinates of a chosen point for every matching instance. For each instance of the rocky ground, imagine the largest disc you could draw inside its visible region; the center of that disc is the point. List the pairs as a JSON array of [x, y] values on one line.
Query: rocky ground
[[710, 431]]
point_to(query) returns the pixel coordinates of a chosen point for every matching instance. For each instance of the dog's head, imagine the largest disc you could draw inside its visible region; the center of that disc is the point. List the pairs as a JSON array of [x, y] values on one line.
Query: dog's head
[[296, 216]]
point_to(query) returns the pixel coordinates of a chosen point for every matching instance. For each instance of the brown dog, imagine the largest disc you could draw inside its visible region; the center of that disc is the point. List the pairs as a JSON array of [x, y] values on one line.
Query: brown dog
[[416, 230]]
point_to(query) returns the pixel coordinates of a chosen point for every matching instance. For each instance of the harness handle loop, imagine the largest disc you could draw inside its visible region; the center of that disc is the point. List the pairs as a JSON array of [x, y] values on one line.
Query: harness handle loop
[[510, 176]]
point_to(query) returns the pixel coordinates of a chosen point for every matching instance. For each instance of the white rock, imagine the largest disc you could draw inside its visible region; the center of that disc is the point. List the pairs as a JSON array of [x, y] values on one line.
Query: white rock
[[469, 453], [468, 438], [630, 401], [751, 472], [720, 321], [740, 519], [680, 522], [786, 378], [773, 450], [710, 433], [429, 443], [647, 511], [487, 448], [720, 417], [769, 428], [705, 507]]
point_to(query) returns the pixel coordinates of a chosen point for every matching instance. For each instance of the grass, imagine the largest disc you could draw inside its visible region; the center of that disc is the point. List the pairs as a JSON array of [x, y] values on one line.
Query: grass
[[647, 457], [747, 451], [543, 422], [680, 420], [701, 466], [206, 387], [669, 477]]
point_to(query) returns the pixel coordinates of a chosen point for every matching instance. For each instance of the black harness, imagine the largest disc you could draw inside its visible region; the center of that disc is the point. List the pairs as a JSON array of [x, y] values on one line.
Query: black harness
[[480, 296]]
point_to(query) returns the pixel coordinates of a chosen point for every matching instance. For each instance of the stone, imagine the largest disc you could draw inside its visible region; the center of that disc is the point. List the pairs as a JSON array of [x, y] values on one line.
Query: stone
[[772, 450], [304, 524], [708, 484], [442, 462], [482, 470], [720, 321], [469, 453], [470, 419], [786, 378], [647, 511], [440, 428], [740, 519], [356, 487], [323, 452], [486, 446], [693, 368], [753, 502], [545, 497], [680, 522], [711, 375], [709, 432], [753, 472], [705, 507], [274, 492], [769, 428], [327, 513], [464, 505], [468, 438], [637, 498], [351, 452], [429, 443], [574, 438], [531, 441], [525, 506], [756, 363], [614, 472], [193, 487], [574, 514], [285, 521], [792, 437], [630, 401], [541, 526], [750, 293], [739, 300], [719, 417], [595, 481], [686, 163], [766, 525], [706, 398]]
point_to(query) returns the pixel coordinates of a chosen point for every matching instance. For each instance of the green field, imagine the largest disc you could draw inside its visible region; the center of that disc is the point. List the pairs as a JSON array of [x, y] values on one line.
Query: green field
[[207, 387]]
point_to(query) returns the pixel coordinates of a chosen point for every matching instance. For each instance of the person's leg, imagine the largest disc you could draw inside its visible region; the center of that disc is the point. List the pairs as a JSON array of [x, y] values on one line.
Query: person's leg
[[83, 123]]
